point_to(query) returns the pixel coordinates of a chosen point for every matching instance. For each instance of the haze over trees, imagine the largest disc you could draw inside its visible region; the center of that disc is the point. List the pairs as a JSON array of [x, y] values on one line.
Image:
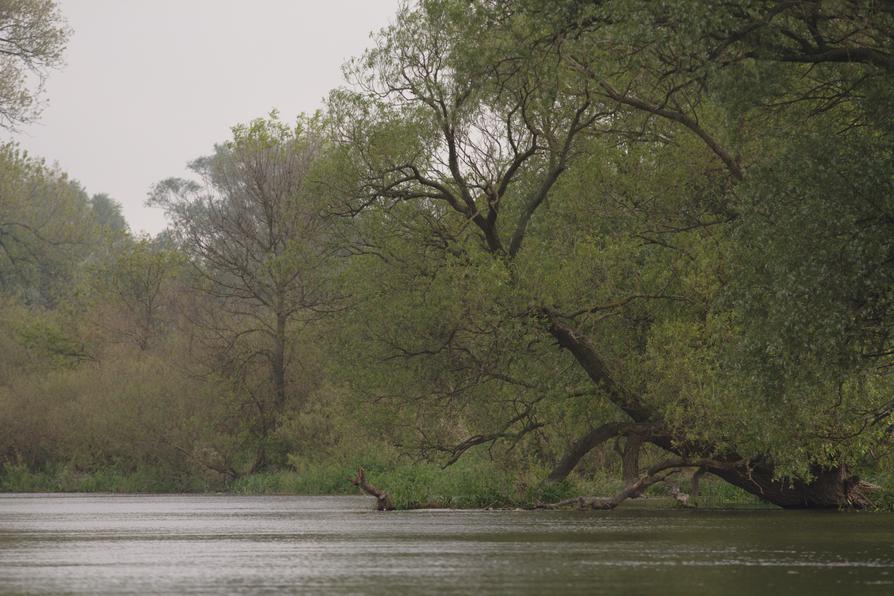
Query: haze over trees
[[522, 230]]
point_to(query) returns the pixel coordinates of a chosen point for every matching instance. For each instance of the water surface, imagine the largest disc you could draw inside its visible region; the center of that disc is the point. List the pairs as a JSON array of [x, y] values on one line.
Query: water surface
[[76, 544]]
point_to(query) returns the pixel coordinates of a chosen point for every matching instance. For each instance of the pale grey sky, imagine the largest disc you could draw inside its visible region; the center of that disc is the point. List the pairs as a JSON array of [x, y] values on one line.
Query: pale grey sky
[[150, 85]]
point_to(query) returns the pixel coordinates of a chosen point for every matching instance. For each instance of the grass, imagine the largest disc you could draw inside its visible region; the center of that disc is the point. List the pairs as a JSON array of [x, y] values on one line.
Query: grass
[[18, 478], [469, 483], [327, 479], [717, 494], [473, 484]]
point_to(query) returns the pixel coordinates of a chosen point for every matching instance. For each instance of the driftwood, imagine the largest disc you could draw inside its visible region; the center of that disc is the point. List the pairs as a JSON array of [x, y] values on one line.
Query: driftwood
[[383, 501], [660, 472], [681, 497], [629, 491]]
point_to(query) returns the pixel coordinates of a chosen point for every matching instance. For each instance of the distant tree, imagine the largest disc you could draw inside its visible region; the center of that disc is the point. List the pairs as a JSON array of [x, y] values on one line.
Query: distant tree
[[136, 286], [33, 35], [107, 213], [252, 229], [46, 227]]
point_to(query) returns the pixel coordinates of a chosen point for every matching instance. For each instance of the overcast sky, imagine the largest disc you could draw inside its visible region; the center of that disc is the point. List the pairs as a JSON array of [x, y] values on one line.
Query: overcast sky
[[150, 85]]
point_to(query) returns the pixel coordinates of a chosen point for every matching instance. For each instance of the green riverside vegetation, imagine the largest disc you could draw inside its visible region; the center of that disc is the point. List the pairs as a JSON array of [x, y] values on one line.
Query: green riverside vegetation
[[529, 251]]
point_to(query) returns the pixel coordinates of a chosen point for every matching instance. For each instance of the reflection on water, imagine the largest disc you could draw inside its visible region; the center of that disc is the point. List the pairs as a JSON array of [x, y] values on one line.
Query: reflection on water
[[213, 544]]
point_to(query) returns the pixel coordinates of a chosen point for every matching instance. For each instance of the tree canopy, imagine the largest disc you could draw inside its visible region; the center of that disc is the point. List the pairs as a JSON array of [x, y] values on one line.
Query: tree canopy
[[33, 36], [522, 231], [633, 186]]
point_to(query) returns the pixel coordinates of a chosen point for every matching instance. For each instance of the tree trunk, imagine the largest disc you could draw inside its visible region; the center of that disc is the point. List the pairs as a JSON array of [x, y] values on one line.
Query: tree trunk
[[630, 460], [831, 488], [694, 482], [583, 446], [260, 460], [278, 364]]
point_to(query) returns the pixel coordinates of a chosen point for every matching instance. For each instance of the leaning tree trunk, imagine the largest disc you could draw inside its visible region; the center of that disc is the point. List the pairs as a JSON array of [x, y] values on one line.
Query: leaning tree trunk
[[835, 487], [831, 488]]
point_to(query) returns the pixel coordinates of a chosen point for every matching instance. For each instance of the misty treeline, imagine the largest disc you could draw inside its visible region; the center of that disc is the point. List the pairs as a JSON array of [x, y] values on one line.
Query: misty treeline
[[576, 235]]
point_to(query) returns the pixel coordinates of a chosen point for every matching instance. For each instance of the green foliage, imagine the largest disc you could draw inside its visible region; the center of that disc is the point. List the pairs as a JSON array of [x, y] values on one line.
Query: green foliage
[[34, 37], [18, 478], [561, 215], [321, 479], [727, 266], [468, 484], [255, 238], [51, 343], [47, 229]]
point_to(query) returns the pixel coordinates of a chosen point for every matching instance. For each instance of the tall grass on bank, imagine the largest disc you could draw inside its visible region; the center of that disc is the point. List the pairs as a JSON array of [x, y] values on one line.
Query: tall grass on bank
[[472, 484], [469, 483], [16, 477]]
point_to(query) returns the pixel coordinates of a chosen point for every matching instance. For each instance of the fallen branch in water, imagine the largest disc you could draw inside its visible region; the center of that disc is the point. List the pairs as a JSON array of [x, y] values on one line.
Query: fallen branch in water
[[383, 501], [634, 488], [660, 472]]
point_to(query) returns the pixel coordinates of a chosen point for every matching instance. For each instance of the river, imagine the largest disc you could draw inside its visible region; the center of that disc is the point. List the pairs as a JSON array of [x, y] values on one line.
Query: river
[[80, 544]]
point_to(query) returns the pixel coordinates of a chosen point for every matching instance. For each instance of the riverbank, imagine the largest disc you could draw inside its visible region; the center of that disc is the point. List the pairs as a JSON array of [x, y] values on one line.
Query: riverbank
[[466, 485]]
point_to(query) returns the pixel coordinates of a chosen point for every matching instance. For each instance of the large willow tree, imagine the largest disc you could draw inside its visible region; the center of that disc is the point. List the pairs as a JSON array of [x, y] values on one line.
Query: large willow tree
[[592, 220]]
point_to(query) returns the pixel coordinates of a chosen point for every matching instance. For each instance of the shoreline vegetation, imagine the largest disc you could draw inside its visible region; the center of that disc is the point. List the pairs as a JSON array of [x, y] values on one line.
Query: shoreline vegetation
[[529, 254], [468, 485]]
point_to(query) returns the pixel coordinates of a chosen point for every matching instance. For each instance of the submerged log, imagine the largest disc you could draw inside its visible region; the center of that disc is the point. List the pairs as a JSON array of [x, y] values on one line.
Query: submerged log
[[383, 500]]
